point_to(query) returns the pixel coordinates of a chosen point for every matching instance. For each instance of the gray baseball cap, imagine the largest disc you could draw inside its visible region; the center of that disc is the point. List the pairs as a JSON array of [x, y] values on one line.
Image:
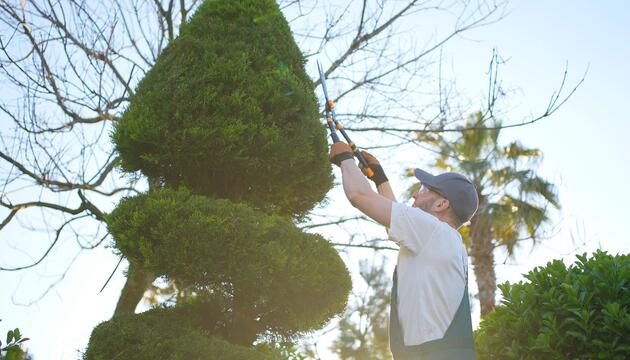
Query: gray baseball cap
[[456, 188]]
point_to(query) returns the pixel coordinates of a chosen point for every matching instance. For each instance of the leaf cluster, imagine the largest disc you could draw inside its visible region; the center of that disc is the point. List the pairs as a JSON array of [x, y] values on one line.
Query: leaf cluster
[[12, 349], [576, 312]]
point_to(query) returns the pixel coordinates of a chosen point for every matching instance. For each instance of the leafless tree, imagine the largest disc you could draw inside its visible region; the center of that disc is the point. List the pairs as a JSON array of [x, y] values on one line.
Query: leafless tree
[[68, 69]]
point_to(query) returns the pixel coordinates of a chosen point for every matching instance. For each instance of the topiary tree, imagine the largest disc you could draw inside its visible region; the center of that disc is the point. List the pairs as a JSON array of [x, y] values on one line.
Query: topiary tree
[[576, 312], [226, 128]]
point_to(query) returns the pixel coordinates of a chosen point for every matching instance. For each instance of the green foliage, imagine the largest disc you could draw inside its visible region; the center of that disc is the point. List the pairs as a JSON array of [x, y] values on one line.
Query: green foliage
[[229, 112], [284, 279], [12, 349], [576, 312], [169, 334]]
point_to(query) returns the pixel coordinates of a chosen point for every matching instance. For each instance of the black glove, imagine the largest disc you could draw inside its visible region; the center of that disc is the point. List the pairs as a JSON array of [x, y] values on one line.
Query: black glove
[[337, 159], [379, 176], [339, 152]]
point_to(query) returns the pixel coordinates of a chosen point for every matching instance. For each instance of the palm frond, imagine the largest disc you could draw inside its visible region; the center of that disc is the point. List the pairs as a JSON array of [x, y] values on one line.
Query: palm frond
[[511, 218], [483, 140], [516, 151], [475, 168], [535, 185], [508, 174]]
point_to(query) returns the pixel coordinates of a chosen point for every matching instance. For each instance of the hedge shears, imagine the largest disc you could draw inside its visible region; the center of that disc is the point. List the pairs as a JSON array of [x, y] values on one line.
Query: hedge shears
[[334, 125]]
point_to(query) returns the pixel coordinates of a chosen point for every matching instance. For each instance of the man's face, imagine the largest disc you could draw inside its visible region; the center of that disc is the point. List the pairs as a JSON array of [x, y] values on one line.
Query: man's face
[[425, 198]]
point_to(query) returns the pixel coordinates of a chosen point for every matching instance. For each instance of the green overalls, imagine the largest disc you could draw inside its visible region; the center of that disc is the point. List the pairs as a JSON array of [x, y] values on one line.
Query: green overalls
[[457, 343]]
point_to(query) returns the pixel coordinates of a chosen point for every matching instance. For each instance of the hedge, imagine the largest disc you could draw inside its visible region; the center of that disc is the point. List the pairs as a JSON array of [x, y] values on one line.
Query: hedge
[[577, 312]]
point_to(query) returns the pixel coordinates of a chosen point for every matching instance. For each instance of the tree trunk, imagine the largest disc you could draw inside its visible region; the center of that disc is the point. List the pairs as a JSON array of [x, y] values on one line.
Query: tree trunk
[[483, 266], [481, 252], [244, 329], [138, 281]]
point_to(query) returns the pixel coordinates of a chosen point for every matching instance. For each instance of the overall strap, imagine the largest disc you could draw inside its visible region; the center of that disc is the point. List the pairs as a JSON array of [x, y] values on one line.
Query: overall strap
[[457, 343], [458, 335]]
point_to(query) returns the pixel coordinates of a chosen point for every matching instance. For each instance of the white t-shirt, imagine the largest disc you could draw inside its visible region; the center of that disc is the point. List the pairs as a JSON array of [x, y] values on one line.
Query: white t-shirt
[[432, 273]]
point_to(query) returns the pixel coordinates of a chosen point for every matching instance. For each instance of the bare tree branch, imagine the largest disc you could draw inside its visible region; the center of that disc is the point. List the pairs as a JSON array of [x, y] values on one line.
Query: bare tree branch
[[70, 69]]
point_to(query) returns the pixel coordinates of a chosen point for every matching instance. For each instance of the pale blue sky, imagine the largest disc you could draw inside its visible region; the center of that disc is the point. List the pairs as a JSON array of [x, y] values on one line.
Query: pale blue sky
[[585, 145], [585, 142]]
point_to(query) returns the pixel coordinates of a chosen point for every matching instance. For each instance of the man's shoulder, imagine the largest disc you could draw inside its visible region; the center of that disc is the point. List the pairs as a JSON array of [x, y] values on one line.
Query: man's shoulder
[[418, 215], [411, 227], [399, 209]]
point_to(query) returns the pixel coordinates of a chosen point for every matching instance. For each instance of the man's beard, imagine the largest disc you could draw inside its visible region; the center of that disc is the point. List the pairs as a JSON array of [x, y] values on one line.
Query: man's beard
[[426, 205]]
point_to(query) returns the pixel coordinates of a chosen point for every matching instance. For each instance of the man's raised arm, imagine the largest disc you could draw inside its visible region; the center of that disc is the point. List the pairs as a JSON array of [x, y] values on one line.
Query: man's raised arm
[[357, 189], [379, 178]]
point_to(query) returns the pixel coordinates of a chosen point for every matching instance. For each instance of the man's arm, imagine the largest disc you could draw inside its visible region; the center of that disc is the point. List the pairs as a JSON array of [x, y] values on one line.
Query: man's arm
[[380, 179], [386, 190], [361, 195]]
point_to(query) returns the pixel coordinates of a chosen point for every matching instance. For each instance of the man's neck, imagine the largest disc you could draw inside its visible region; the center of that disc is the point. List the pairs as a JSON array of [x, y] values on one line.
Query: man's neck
[[446, 219]]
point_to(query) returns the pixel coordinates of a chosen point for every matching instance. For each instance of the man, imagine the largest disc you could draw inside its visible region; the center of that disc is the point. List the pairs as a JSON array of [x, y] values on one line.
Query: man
[[430, 311]]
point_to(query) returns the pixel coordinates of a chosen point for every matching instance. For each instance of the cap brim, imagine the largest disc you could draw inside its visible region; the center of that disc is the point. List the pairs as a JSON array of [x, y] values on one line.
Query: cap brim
[[424, 177]]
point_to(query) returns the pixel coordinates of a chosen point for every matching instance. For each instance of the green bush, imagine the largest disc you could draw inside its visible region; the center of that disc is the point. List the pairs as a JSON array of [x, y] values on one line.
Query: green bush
[[287, 280], [576, 312], [12, 350], [166, 334], [229, 112]]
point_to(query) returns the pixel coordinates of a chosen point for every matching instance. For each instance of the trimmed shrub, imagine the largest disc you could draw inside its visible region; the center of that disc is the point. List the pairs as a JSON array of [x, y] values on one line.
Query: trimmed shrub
[[229, 112], [576, 312], [166, 334], [283, 279], [229, 117]]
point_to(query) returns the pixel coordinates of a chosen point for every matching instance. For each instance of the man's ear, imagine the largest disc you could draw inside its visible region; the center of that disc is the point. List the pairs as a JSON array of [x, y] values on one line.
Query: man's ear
[[441, 205]]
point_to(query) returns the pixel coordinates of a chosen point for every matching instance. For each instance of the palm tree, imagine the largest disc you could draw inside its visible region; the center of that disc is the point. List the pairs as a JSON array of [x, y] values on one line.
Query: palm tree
[[513, 200]]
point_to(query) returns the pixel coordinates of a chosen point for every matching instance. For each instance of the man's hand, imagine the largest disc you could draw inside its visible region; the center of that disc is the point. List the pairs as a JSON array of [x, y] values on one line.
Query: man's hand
[[379, 176], [339, 152], [371, 161], [370, 158]]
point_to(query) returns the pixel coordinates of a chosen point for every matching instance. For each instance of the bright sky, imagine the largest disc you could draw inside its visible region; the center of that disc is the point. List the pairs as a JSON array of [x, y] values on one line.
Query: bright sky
[[585, 146]]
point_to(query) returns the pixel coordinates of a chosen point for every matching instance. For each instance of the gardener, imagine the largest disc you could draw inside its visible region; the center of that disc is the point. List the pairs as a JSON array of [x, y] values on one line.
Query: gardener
[[430, 311]]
